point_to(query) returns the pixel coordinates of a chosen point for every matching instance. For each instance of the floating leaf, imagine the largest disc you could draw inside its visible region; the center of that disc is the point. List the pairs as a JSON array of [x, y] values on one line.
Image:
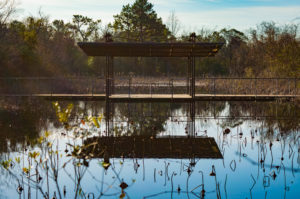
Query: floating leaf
[[123, 185], [40, 140], [100, 118], [122, 195], [63, 116], [34, 154], [26, 170], [105, 165], [78, 164], [95, 122], [6, 164], [47, 134], [18, 160], [49, 144]]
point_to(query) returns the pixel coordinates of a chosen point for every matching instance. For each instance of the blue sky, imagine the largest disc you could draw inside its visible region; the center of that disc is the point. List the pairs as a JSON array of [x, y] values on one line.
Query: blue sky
[[193, 14]]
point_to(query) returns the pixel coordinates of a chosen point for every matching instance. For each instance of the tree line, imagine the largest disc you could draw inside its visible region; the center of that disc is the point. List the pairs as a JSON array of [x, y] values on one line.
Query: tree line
[[36, 46]]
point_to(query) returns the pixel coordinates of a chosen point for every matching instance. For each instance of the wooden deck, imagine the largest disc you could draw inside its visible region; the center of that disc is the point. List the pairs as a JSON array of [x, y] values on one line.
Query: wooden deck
[[158, 97]]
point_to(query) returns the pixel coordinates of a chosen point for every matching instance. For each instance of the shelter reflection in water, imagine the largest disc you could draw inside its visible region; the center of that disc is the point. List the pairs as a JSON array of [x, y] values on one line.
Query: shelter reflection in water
[[155, 147], [144, 157]]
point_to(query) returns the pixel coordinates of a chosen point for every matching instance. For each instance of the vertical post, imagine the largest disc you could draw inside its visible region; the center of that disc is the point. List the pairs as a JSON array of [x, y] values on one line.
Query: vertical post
[[214, 85], [172, 88], [188, 75], [193, 77], [107, 93], [277, 89], [192, 66], [51, 85], [289, 86], [39, 86], [255, 82], [151, 89], [107, 78], [93, 81], [107, 117], [276, 108], [251, 86], [191, 130], [129, 87], [108, 74], [295, 92], [112, 81]]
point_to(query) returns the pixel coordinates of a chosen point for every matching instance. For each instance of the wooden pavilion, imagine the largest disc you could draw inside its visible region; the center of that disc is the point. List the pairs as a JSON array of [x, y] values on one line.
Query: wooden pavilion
[[111, 49], [150, 49]]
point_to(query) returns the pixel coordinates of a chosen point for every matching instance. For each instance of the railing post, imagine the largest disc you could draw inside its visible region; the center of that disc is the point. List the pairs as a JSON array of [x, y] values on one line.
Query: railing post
[[289, 86], [93, 80], [250, 86], [191, 87], [277, 90], [172, 88], [51, 85], [129, 86], [255, 84], [295, 92], [214, 85], [151, 89]]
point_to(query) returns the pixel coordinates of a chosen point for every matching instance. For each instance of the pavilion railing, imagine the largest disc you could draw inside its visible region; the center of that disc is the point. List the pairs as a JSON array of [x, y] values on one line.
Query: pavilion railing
[[149, 86], [51, 85], [247, 86]]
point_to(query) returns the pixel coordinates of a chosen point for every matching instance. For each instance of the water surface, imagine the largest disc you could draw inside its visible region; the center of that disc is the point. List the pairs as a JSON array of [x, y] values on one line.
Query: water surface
[[258, 143]]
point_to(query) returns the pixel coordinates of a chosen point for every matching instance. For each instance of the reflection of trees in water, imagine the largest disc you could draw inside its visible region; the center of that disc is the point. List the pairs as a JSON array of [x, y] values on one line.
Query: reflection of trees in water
[[22, 119], [21, 123], [144, 118], [283, 117], [75, 162], [27, 117]]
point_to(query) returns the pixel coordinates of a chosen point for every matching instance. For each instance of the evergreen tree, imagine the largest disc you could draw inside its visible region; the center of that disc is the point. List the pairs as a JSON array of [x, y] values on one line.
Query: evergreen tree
[[139, 22]]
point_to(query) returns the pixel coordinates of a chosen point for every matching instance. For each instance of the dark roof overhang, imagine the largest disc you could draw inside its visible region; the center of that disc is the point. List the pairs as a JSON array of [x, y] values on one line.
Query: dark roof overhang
[[128, 49]]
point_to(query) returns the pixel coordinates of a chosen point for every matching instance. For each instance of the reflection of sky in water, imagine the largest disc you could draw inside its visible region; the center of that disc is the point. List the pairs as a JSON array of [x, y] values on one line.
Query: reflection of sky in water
[[236, 174]]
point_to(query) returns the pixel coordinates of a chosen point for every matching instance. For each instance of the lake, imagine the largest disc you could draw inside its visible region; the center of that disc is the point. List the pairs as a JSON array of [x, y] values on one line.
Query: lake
[[67, 149]]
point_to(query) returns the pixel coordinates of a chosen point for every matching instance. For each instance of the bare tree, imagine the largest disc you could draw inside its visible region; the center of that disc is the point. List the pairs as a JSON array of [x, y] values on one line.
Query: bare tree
[[7, 9], [173, 23]]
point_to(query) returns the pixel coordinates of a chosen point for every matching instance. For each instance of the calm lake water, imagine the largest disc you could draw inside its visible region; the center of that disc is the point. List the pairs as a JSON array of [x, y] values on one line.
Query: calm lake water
[[159, 150]]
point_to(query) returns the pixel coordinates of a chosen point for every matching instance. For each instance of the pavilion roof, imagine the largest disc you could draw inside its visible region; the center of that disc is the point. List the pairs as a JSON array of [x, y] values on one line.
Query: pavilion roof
[[150, 49]]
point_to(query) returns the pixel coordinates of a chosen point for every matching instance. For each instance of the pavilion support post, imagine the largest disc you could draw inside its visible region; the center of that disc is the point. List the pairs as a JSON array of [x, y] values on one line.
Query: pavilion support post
[[107, 118], [109, 89], [191, 126], [107, 107], [111, 75], [193, 78], [191, 68], [107, 78], [188, 80]]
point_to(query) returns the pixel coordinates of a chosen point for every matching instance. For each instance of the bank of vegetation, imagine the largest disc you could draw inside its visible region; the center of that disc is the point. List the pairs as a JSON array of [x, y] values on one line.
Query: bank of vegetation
[[36, 46]]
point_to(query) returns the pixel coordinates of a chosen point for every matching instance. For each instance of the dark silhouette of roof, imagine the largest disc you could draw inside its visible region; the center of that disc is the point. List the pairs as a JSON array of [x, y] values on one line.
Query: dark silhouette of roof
[[147, 147], [150, 49]]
